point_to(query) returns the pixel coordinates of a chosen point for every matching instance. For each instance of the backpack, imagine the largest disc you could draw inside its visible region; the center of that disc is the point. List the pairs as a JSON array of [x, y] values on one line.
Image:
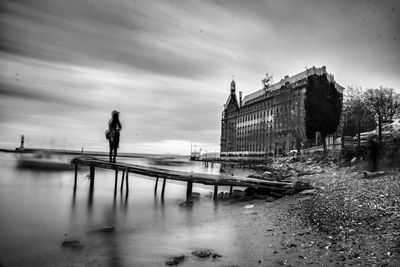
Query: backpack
[[107, 133]]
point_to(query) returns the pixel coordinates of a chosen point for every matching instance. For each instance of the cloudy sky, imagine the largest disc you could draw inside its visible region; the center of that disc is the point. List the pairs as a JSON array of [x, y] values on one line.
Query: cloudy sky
[[167, 65]]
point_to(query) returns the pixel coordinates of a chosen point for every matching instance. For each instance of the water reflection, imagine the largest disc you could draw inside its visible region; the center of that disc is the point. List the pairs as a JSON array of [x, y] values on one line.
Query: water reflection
[[90, 198], [149, 228], [73, 199]]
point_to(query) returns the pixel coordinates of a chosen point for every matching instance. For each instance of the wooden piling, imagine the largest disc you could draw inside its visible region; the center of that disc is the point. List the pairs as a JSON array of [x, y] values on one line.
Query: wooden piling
[[163, 188], [122, 182], [155, 187], [230, 191], [189, 190], [126, 180], [91, 176], [76, 175], [215, 192], [116, 182]]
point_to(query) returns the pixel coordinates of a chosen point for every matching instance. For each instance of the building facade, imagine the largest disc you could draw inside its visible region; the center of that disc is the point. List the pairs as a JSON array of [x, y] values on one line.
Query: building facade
[[270, 120]]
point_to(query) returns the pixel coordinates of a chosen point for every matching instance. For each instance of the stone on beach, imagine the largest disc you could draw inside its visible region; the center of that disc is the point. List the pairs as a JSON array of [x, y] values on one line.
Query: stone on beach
[[202, 253], [215, 255], [105, 229], [186, 204], [266, 174], [195, 195], [72, 244], [223, 195], [368, 174], [309, 192], [236, 193], [175, 260]]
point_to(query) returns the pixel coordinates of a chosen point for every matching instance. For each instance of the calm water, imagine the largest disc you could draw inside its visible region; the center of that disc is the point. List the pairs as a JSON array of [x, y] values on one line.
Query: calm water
[[39, 210]]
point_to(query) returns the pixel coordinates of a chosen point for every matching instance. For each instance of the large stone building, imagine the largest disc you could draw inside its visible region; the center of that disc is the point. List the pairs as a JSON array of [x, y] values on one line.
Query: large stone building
[[270, 120]]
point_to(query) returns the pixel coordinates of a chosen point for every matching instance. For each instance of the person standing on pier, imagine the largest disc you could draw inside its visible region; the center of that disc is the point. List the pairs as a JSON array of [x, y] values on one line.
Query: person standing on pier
[[114, 127]]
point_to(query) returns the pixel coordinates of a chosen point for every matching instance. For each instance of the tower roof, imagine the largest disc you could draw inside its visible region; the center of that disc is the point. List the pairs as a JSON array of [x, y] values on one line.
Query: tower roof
[[233, 86]]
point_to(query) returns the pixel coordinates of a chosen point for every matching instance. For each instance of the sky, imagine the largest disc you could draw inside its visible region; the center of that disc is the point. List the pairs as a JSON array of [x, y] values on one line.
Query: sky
[[166, 66]]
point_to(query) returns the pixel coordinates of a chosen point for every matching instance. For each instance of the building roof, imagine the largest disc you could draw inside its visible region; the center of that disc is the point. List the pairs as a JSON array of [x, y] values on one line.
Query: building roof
[[295, 78]]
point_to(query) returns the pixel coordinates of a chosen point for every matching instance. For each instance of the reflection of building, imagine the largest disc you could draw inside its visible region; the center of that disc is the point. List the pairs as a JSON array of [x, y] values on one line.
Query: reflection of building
[[270, 120]]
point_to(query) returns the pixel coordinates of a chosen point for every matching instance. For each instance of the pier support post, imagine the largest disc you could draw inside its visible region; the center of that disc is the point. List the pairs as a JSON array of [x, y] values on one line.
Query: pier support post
[[215, 192], [116, 183], [155, 187], [163, 188], [91, 176], [122, 181], [189, 190], [230, 191], [76, 175], [126, 180]]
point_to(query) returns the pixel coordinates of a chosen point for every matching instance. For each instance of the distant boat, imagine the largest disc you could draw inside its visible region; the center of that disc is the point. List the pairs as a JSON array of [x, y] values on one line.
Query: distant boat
[[194, 155], [45, 161]]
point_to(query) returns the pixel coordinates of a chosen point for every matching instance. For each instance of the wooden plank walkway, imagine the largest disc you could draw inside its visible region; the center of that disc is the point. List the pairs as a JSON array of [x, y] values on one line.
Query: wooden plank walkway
[[189, 177]]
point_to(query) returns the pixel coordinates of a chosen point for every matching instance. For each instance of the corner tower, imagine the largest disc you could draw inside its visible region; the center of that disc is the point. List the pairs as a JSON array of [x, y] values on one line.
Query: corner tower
[[228, 121]]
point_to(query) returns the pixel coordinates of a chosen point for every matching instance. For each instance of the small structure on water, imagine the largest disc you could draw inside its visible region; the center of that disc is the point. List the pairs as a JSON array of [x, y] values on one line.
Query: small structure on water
[[195, 155]]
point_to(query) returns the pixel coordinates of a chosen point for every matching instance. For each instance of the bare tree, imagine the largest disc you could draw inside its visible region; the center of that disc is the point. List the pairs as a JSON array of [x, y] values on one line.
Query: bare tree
[[385, 103], [356, 108]]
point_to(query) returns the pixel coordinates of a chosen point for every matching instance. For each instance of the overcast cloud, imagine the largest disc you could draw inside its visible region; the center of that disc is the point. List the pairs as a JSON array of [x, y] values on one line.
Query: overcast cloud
[[167, 65]]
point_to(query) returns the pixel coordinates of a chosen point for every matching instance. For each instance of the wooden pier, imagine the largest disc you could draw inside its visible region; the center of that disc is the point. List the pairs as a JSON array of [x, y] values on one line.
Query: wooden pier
[[189, 177]]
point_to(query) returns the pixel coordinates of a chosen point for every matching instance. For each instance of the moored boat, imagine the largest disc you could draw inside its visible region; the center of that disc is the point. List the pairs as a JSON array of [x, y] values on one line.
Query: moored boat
[[44, 161]]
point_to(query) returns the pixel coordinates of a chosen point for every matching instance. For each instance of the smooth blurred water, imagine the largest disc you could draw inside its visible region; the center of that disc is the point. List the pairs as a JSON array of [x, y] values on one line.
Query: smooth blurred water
[[39, 210]]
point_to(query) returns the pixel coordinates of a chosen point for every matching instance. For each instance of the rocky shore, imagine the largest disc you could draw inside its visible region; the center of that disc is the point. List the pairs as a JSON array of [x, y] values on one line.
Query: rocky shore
[[348, 219]]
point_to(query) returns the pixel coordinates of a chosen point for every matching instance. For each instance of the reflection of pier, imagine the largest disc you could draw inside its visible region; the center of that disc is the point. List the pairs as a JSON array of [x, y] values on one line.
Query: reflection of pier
[[189, 177]]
